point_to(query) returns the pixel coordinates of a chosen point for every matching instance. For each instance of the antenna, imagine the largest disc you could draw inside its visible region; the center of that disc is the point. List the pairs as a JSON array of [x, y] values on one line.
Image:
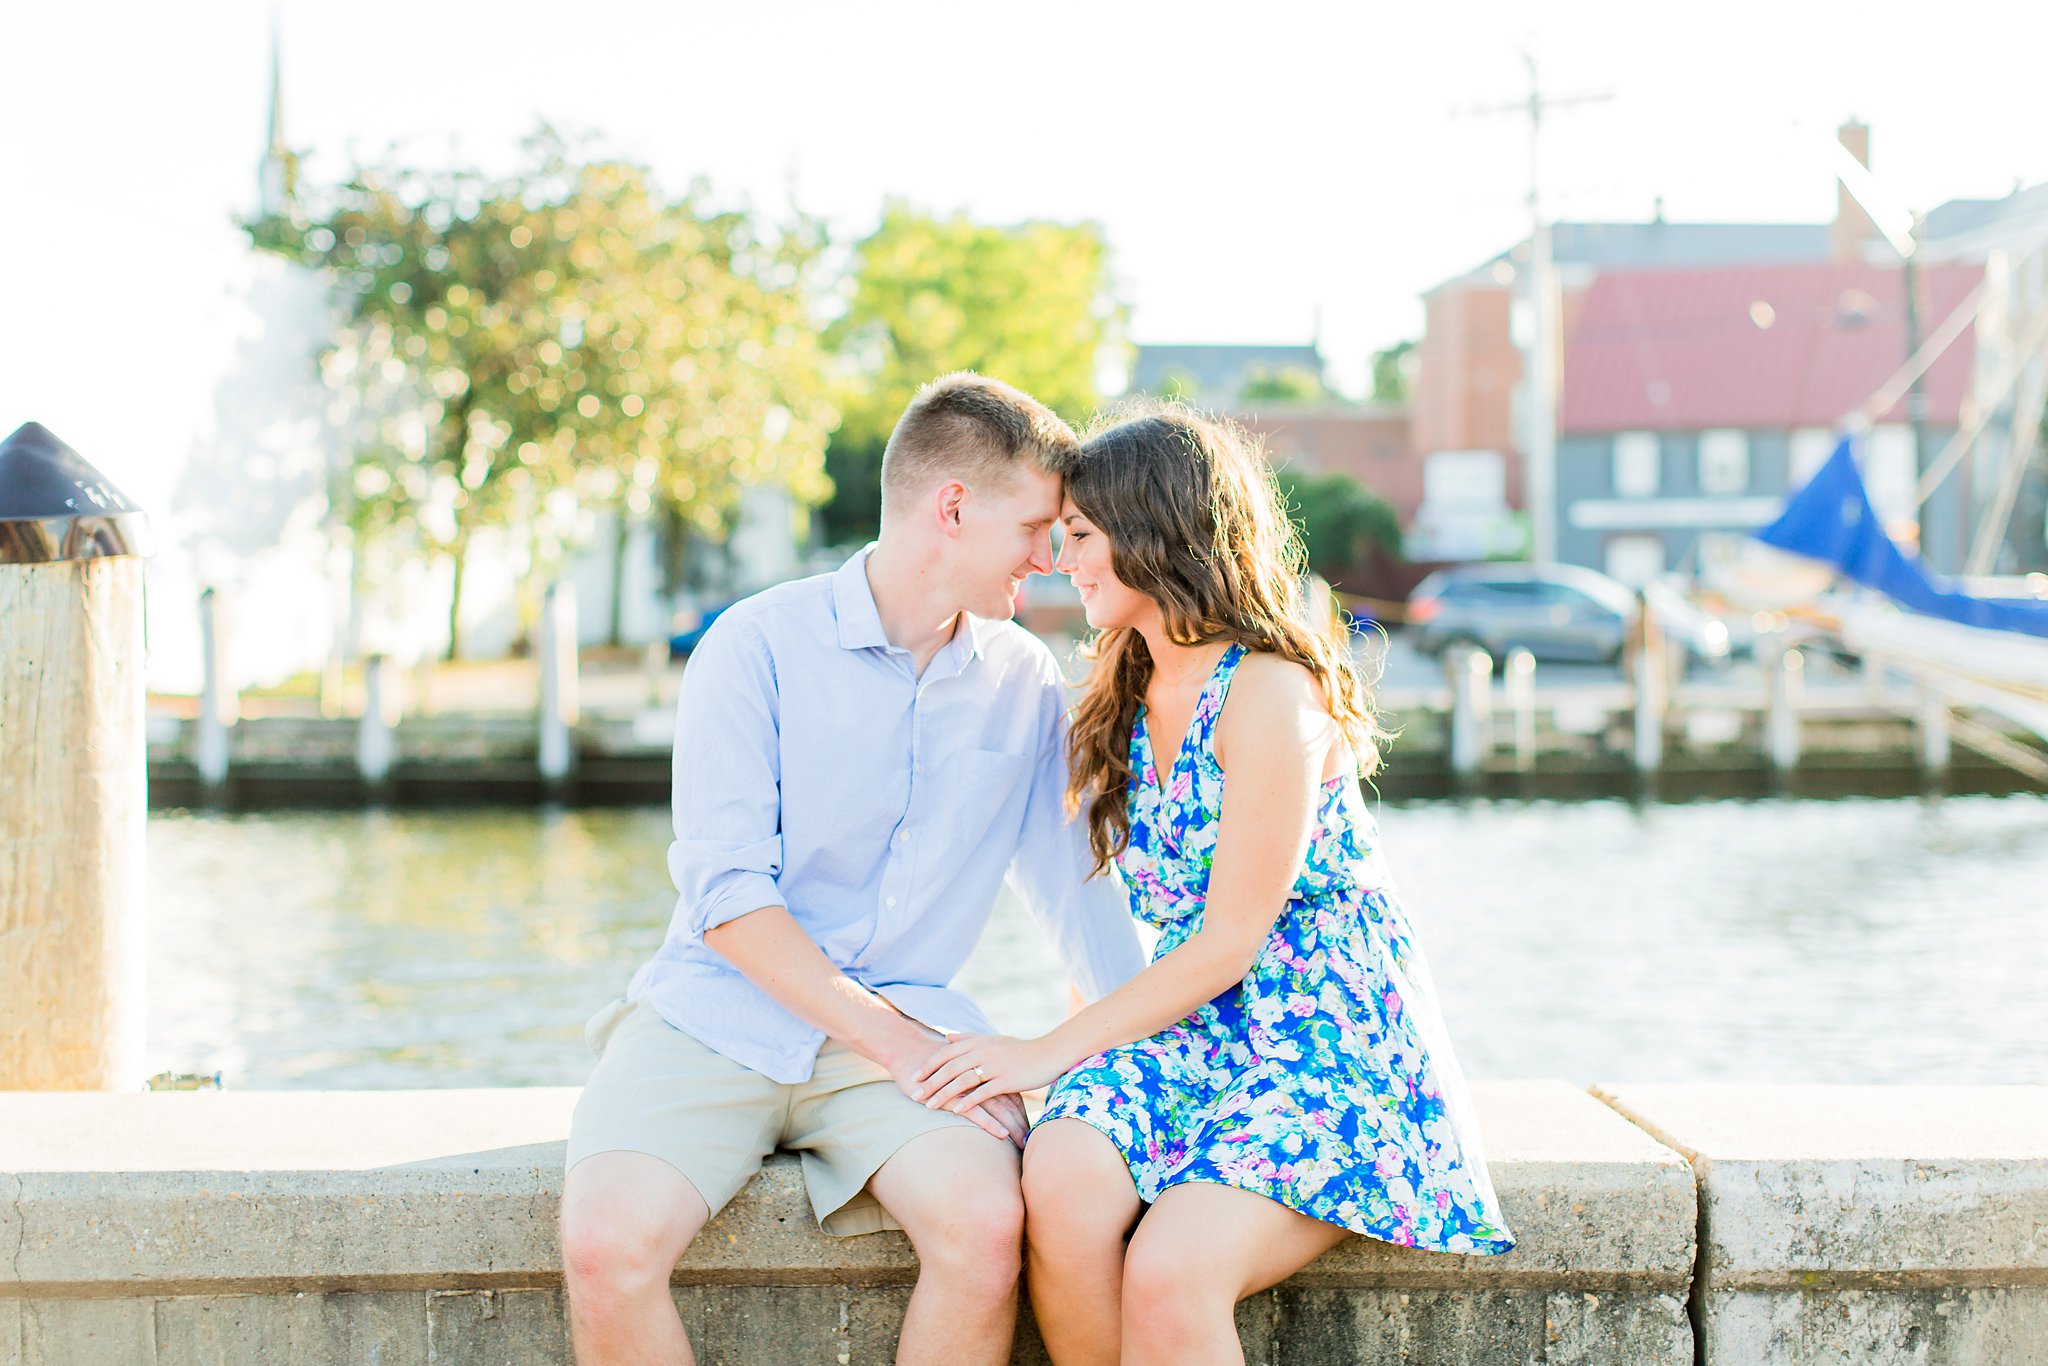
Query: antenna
[[1539, 482]]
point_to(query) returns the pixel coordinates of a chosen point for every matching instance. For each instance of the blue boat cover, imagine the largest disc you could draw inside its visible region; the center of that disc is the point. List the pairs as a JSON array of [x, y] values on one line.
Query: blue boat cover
[[1831, 520]]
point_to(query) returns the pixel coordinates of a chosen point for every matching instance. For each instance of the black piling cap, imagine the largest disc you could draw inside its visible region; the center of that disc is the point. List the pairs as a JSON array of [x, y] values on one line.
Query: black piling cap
[[55, 506]]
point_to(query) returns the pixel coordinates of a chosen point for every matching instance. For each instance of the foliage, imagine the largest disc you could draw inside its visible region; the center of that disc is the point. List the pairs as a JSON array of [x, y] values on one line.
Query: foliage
[[1281, 384], [1342, 521], [1391, 371], [521, 350], [1029, 305]]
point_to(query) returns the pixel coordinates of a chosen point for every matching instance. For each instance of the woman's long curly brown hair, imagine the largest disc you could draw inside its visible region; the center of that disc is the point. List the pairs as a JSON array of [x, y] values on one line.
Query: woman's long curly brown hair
[[1195, 523]]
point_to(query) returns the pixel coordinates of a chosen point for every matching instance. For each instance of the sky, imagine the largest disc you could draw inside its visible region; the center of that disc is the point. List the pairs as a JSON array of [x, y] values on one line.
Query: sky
[[1259, 170]]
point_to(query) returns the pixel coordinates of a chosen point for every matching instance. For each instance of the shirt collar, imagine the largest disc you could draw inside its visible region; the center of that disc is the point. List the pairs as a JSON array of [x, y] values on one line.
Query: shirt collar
[[860, 622], [853, 602]]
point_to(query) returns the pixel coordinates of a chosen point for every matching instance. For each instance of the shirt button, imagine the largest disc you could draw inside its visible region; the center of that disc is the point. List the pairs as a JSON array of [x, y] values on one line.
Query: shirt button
[[903, 837], [892, 901]]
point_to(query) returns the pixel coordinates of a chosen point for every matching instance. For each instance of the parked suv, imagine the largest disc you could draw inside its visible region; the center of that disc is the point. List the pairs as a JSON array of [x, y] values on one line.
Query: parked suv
[[1559, 612]]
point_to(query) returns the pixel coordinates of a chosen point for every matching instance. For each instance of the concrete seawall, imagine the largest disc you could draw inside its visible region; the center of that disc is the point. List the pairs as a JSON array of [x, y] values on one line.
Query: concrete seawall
[[419, 1226]]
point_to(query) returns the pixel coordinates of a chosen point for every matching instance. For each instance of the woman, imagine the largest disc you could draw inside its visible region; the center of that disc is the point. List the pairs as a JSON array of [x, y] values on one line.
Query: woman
[[1278, 1076]]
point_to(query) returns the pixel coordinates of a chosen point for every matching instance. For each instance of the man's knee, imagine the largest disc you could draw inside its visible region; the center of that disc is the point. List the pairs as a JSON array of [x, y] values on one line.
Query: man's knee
[[627, 1219], [964, 1212]]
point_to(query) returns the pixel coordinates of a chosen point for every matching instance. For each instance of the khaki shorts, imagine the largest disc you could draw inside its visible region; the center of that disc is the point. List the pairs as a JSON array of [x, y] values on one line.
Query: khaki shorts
[[658, 1091]]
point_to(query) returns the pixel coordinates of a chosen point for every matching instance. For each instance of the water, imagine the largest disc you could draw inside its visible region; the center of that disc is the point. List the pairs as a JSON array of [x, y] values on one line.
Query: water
[[1849, 941]]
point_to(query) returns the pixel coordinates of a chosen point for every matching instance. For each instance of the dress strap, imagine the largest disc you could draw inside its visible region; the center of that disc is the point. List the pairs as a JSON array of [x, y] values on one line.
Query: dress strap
[[1210, 704]]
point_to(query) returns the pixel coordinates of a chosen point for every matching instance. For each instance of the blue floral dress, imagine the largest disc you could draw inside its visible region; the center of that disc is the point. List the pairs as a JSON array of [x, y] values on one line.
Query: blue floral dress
[[1324, 1080]]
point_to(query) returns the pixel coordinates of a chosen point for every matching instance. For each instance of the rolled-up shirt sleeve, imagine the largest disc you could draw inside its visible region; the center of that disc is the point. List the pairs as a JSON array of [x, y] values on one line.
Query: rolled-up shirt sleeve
[[1087, 920], [727, 789]]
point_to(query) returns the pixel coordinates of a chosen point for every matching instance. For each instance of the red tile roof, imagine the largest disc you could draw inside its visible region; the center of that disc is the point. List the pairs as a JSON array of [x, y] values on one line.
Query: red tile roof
[[1753, 347]]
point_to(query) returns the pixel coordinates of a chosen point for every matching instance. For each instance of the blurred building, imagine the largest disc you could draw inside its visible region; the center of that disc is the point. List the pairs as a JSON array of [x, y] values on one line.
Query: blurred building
[[250, 514], [1696, 399], [2006, 475], [1685, 335], [1466, 403], [1318, 433], [1367, 441], [1215, 376]]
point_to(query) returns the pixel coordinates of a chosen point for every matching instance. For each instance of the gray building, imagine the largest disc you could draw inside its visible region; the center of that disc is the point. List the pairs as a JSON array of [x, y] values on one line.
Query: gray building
[[1215, 376]]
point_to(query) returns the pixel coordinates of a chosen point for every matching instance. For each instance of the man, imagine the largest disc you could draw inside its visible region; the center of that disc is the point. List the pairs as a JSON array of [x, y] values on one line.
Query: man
[[860, 758]]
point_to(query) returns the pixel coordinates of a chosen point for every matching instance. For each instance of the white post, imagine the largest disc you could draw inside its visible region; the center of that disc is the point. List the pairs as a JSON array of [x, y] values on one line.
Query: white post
[[218, 706], [558, 704], [1934, 731], [1783, 677], [1470, 674], [73, 810], [1652, 671], [377, 736], [654, 663], [1521, 683]]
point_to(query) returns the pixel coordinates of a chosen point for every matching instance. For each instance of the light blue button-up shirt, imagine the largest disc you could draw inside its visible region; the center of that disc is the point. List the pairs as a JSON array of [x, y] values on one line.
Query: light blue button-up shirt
[[814, 770]]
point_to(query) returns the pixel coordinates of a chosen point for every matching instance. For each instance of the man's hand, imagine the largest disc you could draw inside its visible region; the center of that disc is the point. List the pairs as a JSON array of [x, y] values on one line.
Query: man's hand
[[969, 1070], [998, 1116], [1009, 1112]]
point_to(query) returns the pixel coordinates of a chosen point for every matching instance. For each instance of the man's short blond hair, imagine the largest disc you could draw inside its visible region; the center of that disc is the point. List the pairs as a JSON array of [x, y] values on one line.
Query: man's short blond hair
[[969, 427]]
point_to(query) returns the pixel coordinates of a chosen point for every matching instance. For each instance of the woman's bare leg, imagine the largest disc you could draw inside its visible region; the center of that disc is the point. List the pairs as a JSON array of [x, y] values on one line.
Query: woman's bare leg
[[1200, 1249], [1079, 1206]]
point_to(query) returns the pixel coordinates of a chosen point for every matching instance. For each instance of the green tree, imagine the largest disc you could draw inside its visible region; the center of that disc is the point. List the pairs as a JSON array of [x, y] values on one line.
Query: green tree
[[1281, 384], [1029, 304], [560, 339], [1342, 521], [1391, 371]]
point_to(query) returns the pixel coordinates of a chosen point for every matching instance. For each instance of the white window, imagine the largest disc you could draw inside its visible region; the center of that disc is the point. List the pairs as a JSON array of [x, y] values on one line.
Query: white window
[[1465, 477], [1724, 461], [1635, 560], [1636, 459], [1809, 450]]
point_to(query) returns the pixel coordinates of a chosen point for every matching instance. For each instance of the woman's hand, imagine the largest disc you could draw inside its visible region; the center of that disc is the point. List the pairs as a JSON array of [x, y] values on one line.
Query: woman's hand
[[970, 1069]]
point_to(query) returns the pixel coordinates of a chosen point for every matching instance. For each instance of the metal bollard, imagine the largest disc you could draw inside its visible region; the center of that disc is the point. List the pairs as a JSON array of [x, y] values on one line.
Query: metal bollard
[[1470, 673], [558, 701], [72, 746]]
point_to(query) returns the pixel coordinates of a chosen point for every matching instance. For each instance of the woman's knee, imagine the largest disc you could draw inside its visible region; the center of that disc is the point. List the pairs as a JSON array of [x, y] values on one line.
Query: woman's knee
[[1076, 1183]]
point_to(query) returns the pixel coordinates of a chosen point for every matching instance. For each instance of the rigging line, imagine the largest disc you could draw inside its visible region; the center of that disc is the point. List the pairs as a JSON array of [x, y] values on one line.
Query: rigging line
[[1920, 362], [1991, 398], [1998, 512]]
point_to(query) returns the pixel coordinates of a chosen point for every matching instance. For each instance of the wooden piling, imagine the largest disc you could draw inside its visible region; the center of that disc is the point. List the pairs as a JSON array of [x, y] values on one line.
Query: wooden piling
[[219, 705], [1521, 688], [558, 690], [1470, 674], [1783, 676], [377, 735], [1651, 669], [1935, 732], [73, 802]]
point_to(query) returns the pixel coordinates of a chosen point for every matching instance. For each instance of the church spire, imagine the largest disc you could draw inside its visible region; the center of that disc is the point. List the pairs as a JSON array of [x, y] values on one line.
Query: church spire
[[277, 178]]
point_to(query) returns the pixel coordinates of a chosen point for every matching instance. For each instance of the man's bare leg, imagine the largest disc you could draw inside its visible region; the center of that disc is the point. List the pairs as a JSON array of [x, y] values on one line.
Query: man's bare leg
[[626, 1220], [956, 1194]]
